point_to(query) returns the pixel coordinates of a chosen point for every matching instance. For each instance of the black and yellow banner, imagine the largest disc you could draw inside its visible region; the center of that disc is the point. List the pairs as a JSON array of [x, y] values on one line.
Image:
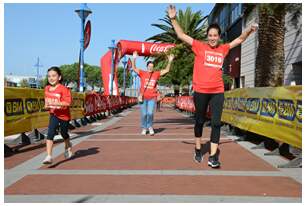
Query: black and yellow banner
[[24, 109], [275, 112]]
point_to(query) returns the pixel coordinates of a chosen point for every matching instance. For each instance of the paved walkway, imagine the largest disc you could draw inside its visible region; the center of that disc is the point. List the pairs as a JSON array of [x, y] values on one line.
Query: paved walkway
[[114, 163]]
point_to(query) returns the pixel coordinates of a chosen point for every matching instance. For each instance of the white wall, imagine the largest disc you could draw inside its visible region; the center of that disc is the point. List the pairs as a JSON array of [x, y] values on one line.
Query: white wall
[[293, 49], [248, 51]]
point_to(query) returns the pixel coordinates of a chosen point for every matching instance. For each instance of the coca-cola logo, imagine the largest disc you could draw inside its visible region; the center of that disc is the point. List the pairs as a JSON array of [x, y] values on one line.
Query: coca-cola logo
[[159, 48]]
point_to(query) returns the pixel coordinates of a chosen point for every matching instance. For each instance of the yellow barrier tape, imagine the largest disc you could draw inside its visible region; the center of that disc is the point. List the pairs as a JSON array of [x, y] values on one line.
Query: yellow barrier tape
[[24, 109], [275, 112]]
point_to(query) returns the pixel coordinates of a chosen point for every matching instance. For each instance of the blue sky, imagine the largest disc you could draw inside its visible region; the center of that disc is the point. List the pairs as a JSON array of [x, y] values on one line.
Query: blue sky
[[52, 31]]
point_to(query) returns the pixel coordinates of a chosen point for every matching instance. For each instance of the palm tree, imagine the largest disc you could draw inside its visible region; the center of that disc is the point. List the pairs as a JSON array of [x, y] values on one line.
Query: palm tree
[[271, 34], [193, 24]]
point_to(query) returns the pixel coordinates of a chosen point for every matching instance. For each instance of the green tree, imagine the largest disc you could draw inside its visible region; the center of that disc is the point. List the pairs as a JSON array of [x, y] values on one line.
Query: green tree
[[5, 81], [120, 73], [43, 82], [93, 75], [70, 73], [193, 24], [24, 83], [271, 35]]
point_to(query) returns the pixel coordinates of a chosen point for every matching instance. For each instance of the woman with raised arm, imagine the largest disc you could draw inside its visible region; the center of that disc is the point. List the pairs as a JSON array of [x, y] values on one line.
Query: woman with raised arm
[[148, 92], [207, 82]]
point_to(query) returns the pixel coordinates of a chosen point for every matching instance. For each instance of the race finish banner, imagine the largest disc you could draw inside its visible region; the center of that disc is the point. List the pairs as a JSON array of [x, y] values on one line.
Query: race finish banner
[[274, 112], [125, 47], [24, 109]]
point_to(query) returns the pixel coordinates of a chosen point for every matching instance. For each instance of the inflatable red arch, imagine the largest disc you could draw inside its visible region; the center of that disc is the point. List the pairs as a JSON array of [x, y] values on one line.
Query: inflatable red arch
[[125, 47]]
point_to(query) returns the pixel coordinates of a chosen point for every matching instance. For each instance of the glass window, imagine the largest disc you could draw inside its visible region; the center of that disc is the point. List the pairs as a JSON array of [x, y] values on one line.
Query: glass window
[[222, 19], [236, 12], [242, 81]]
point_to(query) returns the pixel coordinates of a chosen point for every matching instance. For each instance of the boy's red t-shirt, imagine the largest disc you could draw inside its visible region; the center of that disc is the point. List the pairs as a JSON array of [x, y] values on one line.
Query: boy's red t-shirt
[[151, 91], [207, 70], [60, 94]]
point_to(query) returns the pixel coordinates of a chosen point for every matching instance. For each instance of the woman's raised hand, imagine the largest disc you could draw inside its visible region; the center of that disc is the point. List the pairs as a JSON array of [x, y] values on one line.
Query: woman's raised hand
[[254, 27], [135, 54], [171, 11], [170, 57]]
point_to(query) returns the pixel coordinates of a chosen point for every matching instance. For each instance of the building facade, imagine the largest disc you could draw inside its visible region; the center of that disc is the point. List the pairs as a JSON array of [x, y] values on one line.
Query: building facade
[[240, 63], [229, 17], [16, 80]]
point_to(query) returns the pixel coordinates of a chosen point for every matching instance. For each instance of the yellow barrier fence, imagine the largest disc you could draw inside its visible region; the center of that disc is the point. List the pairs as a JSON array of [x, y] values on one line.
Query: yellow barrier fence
[[24, 109], [275, 112]]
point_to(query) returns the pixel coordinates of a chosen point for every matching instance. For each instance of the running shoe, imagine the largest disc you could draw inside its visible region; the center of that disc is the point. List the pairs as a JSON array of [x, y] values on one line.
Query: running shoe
[[144, 132], [198, 157], [48, 160], [213, 161], [68, 152], [151, 131]]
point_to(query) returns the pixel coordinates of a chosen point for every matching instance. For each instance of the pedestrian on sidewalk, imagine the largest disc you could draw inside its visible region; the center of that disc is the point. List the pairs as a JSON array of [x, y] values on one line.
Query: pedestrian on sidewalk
[[159, 98], [208, 84], [148, 93], [57, 101]]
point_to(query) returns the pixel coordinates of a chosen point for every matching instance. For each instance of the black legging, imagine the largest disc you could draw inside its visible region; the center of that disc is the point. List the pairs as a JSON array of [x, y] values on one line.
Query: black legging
[[54, 123], [201, 101]]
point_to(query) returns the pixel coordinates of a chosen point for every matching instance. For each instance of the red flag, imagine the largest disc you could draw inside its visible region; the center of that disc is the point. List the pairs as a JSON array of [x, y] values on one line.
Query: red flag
[[106, 69]]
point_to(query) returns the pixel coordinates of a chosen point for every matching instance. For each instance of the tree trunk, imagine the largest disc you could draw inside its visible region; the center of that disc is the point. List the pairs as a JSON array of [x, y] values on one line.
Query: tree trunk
[[270, 54]]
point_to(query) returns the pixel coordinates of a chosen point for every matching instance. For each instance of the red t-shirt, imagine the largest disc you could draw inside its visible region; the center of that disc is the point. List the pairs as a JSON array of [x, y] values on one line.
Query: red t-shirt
[[151, 91], [207, 70], [60, 94]]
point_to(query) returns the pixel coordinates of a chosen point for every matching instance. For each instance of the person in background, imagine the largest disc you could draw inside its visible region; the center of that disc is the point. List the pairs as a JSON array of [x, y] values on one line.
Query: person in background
[[148, 91]]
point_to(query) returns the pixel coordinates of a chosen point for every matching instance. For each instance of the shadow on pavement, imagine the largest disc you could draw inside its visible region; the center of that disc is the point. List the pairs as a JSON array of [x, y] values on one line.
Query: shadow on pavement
[[159, 130], [17, 149], [78, 154], [176, 121], [84, 199], [205, 148]]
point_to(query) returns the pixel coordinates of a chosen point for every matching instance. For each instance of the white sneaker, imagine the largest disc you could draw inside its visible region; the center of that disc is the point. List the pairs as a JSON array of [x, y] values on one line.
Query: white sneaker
[[68, 152], [144, 132], [48, 160], [151, 131]]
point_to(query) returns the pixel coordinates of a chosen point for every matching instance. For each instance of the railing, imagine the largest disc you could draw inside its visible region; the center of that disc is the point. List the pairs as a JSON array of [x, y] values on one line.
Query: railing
[[24, 108], [274, 112]]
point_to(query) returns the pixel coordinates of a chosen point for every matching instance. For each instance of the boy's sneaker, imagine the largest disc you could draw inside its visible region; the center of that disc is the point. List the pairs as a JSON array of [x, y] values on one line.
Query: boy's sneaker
[[68, 152], [47, 160], [198, 157], [213, 161], [144, 132], [151, 131]]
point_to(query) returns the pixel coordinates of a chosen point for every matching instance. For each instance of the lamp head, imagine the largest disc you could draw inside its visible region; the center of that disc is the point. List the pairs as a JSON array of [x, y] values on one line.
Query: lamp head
[[85, 10]]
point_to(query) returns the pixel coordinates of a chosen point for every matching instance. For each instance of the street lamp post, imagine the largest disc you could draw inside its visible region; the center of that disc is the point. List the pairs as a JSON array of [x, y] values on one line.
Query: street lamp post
[[135, 92], [131, 84], [124, 62], [112, 47], [37, 65], [83, 13]]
